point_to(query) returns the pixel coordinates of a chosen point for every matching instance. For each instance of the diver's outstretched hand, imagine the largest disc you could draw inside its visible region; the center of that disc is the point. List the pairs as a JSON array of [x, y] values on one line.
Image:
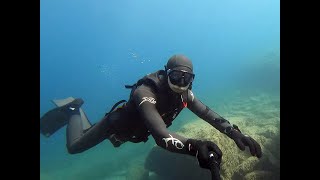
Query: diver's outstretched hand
[[201, 150], [244, 140]]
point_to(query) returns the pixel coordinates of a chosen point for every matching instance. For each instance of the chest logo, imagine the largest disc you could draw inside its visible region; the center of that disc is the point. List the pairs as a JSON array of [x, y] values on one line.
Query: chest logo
[[148, 99]]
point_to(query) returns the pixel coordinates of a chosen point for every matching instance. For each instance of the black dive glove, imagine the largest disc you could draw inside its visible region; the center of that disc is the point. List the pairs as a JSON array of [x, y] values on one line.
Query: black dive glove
[[244, 140], [201, 150]]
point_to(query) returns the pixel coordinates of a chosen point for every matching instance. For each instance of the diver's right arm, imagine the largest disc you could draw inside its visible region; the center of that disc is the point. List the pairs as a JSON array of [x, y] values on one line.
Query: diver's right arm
[[145, 100]]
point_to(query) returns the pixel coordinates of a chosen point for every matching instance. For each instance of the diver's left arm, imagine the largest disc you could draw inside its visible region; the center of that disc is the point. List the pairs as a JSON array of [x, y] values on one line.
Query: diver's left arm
[[223, 125]]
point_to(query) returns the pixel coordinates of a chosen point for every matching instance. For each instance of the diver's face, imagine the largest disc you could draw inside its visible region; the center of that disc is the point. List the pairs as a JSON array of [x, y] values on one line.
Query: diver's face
[[179, 80]]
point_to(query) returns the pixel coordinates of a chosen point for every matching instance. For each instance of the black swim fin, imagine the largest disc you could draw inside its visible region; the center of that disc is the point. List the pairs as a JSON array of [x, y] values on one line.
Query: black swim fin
[[58, 117]]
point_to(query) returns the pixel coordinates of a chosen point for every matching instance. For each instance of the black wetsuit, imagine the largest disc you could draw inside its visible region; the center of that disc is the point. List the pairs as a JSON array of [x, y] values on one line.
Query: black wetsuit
[[151, 108]]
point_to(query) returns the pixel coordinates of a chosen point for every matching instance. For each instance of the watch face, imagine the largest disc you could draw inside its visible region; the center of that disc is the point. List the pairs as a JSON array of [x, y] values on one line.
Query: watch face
[[228, 130]]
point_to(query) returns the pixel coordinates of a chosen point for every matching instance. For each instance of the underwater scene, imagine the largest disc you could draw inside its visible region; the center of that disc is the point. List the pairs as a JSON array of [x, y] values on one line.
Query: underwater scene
[[92, 49]]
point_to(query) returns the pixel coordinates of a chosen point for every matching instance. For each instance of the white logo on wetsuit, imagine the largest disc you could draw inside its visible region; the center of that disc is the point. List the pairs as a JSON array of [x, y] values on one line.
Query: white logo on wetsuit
[[176, 142], [72, 108], [149, 99], [191, 93], [175, 113]]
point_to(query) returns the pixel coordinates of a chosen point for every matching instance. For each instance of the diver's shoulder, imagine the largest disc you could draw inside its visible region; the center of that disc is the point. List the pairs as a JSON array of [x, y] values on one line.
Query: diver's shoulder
[[144, 89]]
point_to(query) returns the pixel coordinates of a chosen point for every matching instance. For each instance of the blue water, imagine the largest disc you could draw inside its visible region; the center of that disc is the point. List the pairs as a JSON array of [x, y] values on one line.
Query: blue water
[[91, 49]]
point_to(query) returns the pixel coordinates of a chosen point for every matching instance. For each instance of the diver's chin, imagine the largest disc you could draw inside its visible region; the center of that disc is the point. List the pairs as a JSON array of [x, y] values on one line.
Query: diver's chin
[[177, 89]]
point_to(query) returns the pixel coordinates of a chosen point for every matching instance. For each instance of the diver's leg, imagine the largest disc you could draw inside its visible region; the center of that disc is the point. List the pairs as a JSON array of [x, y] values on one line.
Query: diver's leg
[[81, 135], [69, 112], [79, 140]]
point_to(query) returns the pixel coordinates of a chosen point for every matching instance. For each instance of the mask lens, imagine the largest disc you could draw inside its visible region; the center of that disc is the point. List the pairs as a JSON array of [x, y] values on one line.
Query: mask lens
[[176, 75], [180, 78], [188, 78]]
